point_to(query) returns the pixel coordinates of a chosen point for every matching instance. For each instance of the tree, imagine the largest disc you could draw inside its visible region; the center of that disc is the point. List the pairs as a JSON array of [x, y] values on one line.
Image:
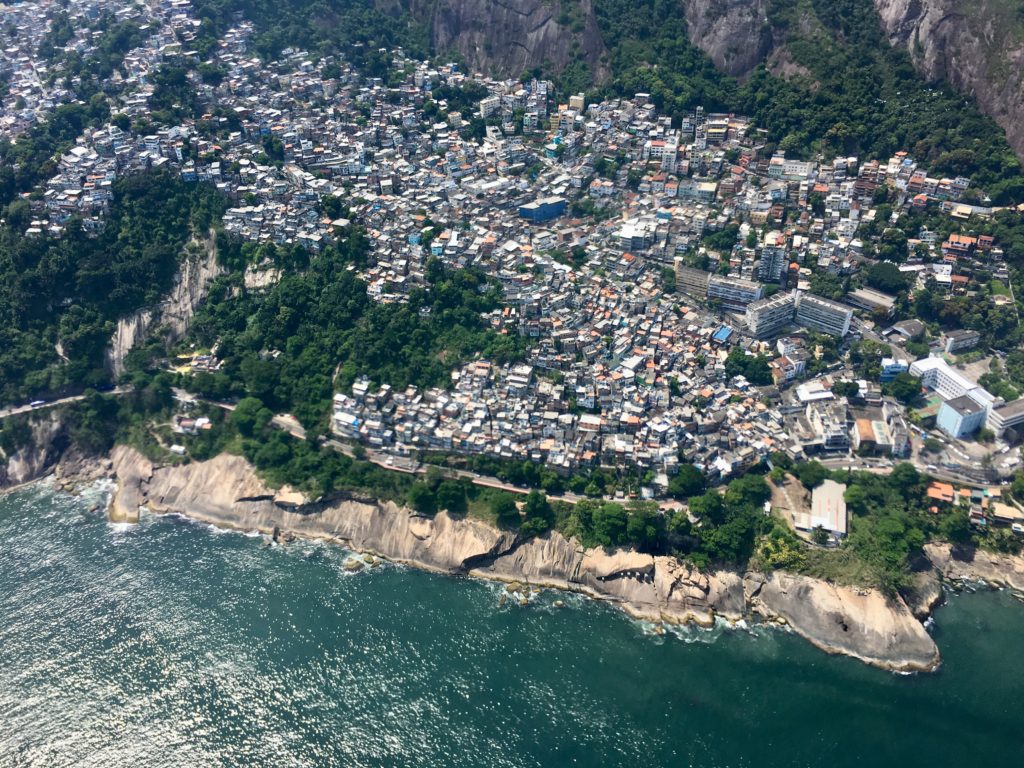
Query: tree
[[250, 416], [708, 508], [505, 510], [610, 522], [747, 492], [811, 473], [451, 496], [845, 389], [819, 536], [645, 526], [955, 527], [905, 388], [886, 277], [422, 499], [688, 481], [538, 514]]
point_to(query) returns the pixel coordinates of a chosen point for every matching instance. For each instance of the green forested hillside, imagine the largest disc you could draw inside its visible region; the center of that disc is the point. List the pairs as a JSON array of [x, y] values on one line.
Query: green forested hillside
[[288, 344], [71, 290]]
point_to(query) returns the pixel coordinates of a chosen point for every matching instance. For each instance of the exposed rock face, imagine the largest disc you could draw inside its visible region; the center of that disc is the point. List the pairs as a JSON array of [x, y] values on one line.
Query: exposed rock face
[[506, 37], [969, 45], [226, 491], [958, 564], [647, 587], [38, 456], [734, 33], [859, 623], [173, 314]]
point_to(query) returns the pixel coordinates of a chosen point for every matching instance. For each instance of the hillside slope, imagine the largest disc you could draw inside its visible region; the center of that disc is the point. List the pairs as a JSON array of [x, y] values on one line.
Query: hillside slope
[[977, 47]]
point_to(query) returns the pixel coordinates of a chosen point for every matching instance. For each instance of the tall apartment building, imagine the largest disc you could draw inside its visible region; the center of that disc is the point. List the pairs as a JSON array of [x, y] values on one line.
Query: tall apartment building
[[734, 293], [773, 258], [769, 316], [823, 315]]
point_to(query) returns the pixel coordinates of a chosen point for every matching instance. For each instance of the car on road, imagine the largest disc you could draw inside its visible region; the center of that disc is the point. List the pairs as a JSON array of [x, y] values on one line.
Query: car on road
[[36, 403]]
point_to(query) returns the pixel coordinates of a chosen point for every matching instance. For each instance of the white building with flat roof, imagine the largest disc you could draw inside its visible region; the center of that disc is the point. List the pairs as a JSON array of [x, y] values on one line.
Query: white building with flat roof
[[769, 316], [823, 315], [937, 375]]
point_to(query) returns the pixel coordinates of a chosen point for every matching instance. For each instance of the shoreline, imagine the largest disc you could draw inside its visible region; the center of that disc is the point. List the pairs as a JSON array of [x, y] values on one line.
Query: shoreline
[[863, 624], [226, 491]]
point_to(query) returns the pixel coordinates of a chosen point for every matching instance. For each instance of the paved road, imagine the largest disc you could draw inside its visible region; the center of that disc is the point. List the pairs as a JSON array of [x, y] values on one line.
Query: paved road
[[877, 467], [14, 410]]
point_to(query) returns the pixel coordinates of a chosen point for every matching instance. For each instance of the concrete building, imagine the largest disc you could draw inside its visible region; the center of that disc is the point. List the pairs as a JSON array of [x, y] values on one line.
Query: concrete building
[[959, 341], [773, 258], [936, 375], [543, 210], [893, 367], [828, 508], [1004, 417], [734, 293], [767, 317], [961, 417], [871, 301], [691, 281], [823, 315]]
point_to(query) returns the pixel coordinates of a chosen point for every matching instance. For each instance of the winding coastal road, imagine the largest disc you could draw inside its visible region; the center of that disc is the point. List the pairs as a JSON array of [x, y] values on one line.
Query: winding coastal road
[[14, 410]]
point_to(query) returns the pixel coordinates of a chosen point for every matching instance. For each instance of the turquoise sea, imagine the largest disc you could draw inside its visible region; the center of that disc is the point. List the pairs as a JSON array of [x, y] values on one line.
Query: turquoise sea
[[172, 644]]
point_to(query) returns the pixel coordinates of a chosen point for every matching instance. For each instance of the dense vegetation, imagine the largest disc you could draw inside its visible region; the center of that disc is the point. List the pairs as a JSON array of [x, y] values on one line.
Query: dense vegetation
[[856, 94], [890, 521], [60, 297], [294, 343], [356, 28]]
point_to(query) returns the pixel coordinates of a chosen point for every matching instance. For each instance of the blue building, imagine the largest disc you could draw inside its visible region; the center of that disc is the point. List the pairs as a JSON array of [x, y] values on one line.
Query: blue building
[[961, 417], [543, 210], [893, 367]]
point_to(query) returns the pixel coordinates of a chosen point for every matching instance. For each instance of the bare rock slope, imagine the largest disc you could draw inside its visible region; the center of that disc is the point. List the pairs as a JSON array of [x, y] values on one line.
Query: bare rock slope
[[509, 36]]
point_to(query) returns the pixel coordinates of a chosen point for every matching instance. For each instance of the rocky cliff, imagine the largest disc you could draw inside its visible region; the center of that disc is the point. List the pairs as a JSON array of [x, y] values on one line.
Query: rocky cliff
[[958, 564], [38, 453], [735, 34], [977, 47], [227, 492], [507, 37], [174, 314]]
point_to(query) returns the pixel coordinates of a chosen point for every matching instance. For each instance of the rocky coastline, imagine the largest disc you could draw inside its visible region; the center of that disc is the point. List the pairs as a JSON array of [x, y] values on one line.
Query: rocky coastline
[[863, 624]]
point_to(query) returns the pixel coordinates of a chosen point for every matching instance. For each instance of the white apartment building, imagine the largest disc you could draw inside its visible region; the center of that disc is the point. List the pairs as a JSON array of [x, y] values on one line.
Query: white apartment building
[[769, 316], [823, 315]]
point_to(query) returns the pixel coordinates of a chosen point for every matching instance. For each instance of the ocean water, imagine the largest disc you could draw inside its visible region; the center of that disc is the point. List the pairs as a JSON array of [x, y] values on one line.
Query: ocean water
[[173, 644]]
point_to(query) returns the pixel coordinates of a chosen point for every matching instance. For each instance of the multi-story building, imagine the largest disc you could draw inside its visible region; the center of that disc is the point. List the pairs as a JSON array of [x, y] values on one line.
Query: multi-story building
[[893, 367], [734, 293], [961, 417], [773, 258], [829, 419], [823, 315], [543, 210], [871, 301], [1004, 417], [936, 375], [769, 316], [691, 281], [958, 341]]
